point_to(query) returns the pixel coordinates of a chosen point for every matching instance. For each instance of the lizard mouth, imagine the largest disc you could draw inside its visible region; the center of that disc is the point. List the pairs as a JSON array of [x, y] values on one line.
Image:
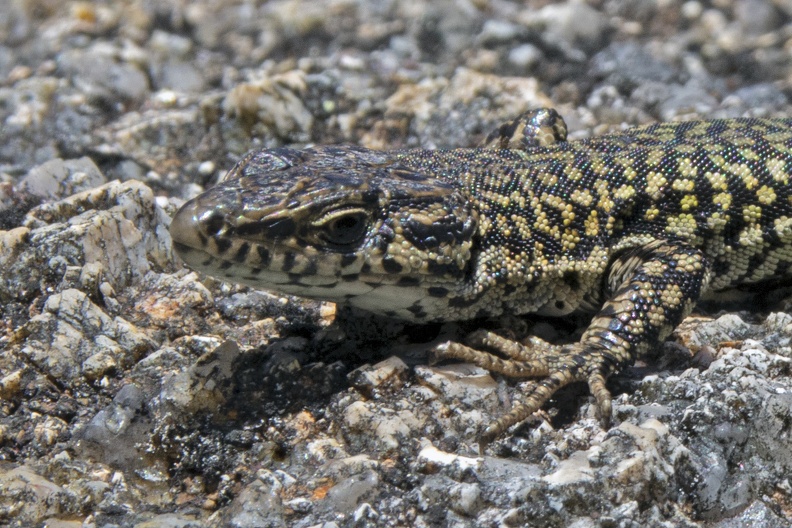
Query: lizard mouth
[[254, 273], [305, 272], [377, 293]]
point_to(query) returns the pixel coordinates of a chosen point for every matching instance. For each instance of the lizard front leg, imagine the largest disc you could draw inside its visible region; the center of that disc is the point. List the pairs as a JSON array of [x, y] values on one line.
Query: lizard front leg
[[652, 288]]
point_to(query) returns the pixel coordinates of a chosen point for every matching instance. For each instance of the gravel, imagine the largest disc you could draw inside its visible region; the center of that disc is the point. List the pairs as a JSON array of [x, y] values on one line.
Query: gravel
[[134, 392]]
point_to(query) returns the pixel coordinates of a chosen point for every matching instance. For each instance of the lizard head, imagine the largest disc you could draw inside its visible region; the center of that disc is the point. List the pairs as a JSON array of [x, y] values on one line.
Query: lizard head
[[343, 224]]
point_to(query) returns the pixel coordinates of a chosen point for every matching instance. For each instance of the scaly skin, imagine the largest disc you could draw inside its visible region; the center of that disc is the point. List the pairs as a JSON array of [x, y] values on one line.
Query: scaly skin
[[632, 227]]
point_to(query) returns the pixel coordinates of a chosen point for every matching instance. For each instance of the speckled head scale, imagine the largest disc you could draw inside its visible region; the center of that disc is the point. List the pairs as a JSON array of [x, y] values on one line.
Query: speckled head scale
[[346, 225]]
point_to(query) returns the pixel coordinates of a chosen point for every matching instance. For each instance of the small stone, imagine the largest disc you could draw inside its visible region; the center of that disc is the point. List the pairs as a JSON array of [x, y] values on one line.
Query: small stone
[[465, 498], [525, 56], [274, 103], [102, 77], [381, 425], [255, 505], [569, 24], [59, 178], [430, 459], [207, 168], [30, 497], [388, 372], [10, 384], [98, 365], [299, 505], [73, 337], [349, 493], [47, 432], [497, 31], [201, 388]]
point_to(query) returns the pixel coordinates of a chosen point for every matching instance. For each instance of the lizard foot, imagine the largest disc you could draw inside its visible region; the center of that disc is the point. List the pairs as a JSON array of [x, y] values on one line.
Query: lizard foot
[[557, 366]]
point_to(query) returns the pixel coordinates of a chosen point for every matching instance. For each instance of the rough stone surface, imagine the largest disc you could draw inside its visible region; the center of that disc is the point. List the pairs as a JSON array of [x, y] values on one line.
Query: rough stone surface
[[134, 392]]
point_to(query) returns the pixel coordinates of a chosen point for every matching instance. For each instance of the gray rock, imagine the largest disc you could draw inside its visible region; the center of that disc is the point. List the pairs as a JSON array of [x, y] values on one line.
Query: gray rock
[[257, 505], [28, 498], [118, 227], [348, 494], [757, 96], [575, 27], [525, 56], [103, 76], [498, 31], [202, 386], [369, 378], [628, 65], [74, 341], [114, 434], [757, 17], [758, 515], [691, 98], [58, 178], [170, 520]]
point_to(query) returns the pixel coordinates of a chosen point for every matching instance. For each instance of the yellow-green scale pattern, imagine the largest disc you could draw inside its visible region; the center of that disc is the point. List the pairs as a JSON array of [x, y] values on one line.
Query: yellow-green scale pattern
[[553, 221], [633, 227]]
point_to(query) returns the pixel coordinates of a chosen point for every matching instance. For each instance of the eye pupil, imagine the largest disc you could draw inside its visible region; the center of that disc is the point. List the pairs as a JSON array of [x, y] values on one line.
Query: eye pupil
[[346, 229], [346, 223]]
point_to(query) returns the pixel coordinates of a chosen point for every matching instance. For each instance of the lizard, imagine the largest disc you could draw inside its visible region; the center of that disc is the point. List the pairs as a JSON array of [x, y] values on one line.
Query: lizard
[[633, 228]]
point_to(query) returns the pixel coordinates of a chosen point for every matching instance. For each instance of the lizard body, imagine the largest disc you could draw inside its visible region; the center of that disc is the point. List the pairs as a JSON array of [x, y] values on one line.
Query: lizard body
[[633, 227]]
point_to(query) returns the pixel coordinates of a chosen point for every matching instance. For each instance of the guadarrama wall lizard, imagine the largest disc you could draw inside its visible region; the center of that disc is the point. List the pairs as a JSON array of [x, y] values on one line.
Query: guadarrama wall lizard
[[633, 227]]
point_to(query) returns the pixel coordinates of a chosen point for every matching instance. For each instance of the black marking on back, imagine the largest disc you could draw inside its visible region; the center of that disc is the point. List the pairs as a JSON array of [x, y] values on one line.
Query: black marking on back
[[447, 230], [461, 302]]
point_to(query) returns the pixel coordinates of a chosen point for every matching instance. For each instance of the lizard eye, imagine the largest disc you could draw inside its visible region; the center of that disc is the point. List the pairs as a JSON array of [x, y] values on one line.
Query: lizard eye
[[343, 227]]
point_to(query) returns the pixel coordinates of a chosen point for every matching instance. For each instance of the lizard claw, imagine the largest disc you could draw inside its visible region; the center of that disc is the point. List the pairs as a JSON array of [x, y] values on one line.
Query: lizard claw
[[437, 353], [602, 395]]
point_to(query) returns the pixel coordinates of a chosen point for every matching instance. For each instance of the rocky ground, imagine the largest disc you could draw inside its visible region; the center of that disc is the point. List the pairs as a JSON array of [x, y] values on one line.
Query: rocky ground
[[134, 392]]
